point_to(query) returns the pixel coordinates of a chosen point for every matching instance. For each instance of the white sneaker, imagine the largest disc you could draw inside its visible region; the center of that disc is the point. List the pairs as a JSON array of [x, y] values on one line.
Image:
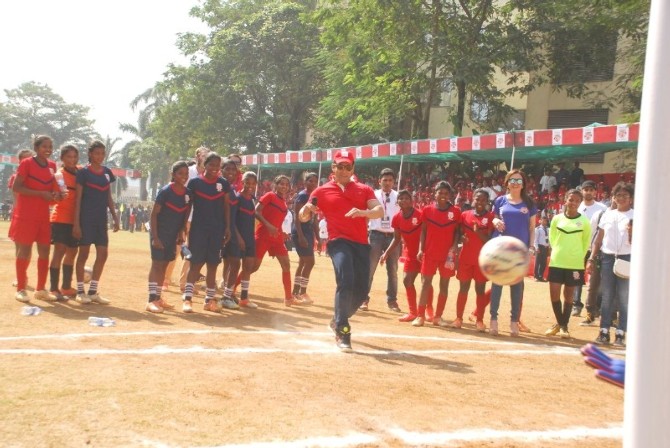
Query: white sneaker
[[97, 298], [439, 322], [418, 322], [22, 296], [153, 308], [246, 303], [83, 299], [187, 306], [229, 304], [493, 328], [45, 295]]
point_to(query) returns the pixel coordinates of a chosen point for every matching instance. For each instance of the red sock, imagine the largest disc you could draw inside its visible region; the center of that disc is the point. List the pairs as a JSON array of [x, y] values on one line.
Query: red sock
[[441, 303], [421, 312], [42, 272], [286, 279], [411, 299], [22, 273], [481, 305], [460, 304], [429, 303]]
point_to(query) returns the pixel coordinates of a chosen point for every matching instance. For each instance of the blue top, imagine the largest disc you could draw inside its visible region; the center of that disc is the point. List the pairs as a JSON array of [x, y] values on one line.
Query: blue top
[[246, 219], [209, 199], [95, 194], [516, 217], [175, 208], [307, 229]]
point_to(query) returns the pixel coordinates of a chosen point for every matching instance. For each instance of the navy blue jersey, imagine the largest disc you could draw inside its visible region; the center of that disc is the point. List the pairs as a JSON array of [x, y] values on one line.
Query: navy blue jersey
[[95, 195], [307, 227], [175, 208], [209, 203], [234, 199], [246, 219]]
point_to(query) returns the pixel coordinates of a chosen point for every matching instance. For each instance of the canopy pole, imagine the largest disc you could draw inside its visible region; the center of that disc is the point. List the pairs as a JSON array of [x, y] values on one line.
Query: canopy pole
[[511, 164], [258, 177], [402, 156], [319, 179]]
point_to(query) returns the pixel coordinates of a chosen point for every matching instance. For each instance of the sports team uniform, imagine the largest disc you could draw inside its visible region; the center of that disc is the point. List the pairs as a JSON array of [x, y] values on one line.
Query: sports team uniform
[[94, 203], [440, 232], [231, 249], [208, 224], [62, 216], [175, 208], [307, 230], [31, 213], [569, 238], [468, 261], [246, 220], [274, 211], [410, 231], [12, 223]]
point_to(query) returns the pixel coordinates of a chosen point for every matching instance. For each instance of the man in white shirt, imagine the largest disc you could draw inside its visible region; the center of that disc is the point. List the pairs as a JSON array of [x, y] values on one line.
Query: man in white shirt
[[381, 235], [548, 181], [541, 245]]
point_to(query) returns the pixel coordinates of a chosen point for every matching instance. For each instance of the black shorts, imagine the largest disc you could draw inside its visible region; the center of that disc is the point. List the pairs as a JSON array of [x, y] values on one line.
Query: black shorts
[[168, 253], [62, 234], [567, 277], [94, 233], [205, 245], [304, 251]]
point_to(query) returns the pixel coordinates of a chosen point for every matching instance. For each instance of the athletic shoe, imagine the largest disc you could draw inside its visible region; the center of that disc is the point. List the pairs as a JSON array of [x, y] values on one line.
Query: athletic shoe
[[576, 311], [553, 330], [97, 298], [83, 299], [71, 293], [291, 302], [514, 329], [229, 304], [603, 338], [163, 304], [407, 318], [481, 327], [305, 299], [439, 322], [418, 322], [211, 305], [589, 321], [246, 303], [44, 295], [493, 328], [22, 296], [430, 314], [364, 306], [523, 328], [187, 306], [393, 306], [616, 378], [153, 307], [618, 340], [343, 340], [457, 323], [563, 333]]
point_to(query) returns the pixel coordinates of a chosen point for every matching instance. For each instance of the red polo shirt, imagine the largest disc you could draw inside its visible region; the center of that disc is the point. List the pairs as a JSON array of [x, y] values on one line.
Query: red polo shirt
[[410, 230], [474, 244], [274, 211], [440, 231], [335, 203], [35, 177]]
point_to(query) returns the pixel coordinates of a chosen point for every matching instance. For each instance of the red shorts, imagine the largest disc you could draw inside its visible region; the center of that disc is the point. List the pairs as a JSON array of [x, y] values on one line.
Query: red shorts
[[26, 231], [274, 247], [470, 272], [430, 267], [411, 265]]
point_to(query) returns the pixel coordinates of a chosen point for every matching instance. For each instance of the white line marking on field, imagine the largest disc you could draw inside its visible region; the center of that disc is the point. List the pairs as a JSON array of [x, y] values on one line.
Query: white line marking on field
[[164, 350], [327, 442], [487, 435]]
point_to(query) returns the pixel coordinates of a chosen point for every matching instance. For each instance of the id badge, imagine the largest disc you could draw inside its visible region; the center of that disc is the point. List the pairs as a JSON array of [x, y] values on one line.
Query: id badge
[[386, 224]]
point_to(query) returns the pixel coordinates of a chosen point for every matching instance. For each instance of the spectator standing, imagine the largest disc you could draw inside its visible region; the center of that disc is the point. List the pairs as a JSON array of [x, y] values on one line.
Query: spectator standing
[[541, 246], [562, 174], [576, 176], [547, 182]]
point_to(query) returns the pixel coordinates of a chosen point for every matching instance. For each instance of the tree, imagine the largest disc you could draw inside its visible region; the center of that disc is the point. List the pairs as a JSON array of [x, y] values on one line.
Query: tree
[[33, 109]]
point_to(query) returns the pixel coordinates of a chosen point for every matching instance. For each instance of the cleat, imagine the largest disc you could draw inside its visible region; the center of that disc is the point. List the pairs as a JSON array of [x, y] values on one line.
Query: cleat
[[457, 323], [97, 298], [430, 314], [514, 329], [83, 299], [343, 340], [364, 306], [305, 299], [418, 322], [163, 304], [291, 302], [70, 293], [187, 306], [563, 333], [589, 321], [393, 306], [22, 296], [229, 304], [45, 295], [409, 317], [439, 322], [493, 328], [603, 338], [153, 307], [553, 330], [211, 305], [480, 326], [246, 303], [523, 328]]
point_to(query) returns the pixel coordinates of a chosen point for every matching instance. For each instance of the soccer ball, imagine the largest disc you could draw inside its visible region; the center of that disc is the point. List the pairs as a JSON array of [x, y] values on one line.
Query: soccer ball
[[504, 260], [88, 273]]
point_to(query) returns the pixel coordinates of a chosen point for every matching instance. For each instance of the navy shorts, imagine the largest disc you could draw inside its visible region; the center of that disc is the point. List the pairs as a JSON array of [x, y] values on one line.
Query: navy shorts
[[94, 233], [62, 234], [205, 246], [304, 251], [233, 249], [169, 253], [567, 277]]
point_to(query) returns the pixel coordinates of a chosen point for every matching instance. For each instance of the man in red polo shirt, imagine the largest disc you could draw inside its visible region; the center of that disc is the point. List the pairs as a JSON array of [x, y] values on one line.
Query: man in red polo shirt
[[345, 205]]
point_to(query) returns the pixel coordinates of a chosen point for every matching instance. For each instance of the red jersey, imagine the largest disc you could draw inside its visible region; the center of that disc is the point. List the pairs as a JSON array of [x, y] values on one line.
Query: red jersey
[[441, 228], [35, 177], [473, 245], [274, 211], [410, 230], [63, 211], [335, 203]]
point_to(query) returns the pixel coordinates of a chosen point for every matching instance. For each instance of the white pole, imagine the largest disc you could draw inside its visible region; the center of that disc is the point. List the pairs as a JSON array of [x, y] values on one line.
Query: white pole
[[511, 164], [319, 180], [258, 177], [402, 156], [647, 395]]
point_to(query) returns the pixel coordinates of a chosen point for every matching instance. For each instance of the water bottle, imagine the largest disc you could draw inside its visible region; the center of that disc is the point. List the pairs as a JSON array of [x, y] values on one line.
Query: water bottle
[[60, 180], [31, 310], [101, 322], [185, 253]]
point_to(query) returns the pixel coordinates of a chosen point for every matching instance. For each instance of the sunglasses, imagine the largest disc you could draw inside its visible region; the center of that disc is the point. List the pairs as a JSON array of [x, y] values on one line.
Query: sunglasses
[[515, 181], [344, 167]]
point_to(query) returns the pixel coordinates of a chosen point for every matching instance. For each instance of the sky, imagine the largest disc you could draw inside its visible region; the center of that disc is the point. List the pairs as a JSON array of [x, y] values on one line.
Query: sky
[[97, 53]]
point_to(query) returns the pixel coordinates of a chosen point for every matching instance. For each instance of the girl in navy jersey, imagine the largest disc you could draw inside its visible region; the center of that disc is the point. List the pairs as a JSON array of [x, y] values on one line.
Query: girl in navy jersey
[[246, 242], [303, 240], [209, 231], [271, 211], [94, 198], [168, 224], [231, 172], [36, 188]]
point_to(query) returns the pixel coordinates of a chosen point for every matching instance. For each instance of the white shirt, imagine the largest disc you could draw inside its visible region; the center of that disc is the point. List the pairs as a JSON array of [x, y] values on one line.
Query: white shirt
[[323, 230], [193, 172], [541, 237], [288, 222], [590, 210], [389, 202], [547, 182], [615, 225]]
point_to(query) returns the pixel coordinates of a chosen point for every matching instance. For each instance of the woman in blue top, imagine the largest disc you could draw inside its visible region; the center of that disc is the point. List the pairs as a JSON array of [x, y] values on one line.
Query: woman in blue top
[[514, 216]]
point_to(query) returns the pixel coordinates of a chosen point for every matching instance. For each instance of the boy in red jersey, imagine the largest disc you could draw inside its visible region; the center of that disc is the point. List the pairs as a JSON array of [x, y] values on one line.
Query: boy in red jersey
[[36, 188], [476, 228], [437, 250], [407, 226]]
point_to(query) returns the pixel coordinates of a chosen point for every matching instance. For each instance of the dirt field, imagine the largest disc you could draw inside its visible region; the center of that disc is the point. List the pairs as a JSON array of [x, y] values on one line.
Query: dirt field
[[273, 377]]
